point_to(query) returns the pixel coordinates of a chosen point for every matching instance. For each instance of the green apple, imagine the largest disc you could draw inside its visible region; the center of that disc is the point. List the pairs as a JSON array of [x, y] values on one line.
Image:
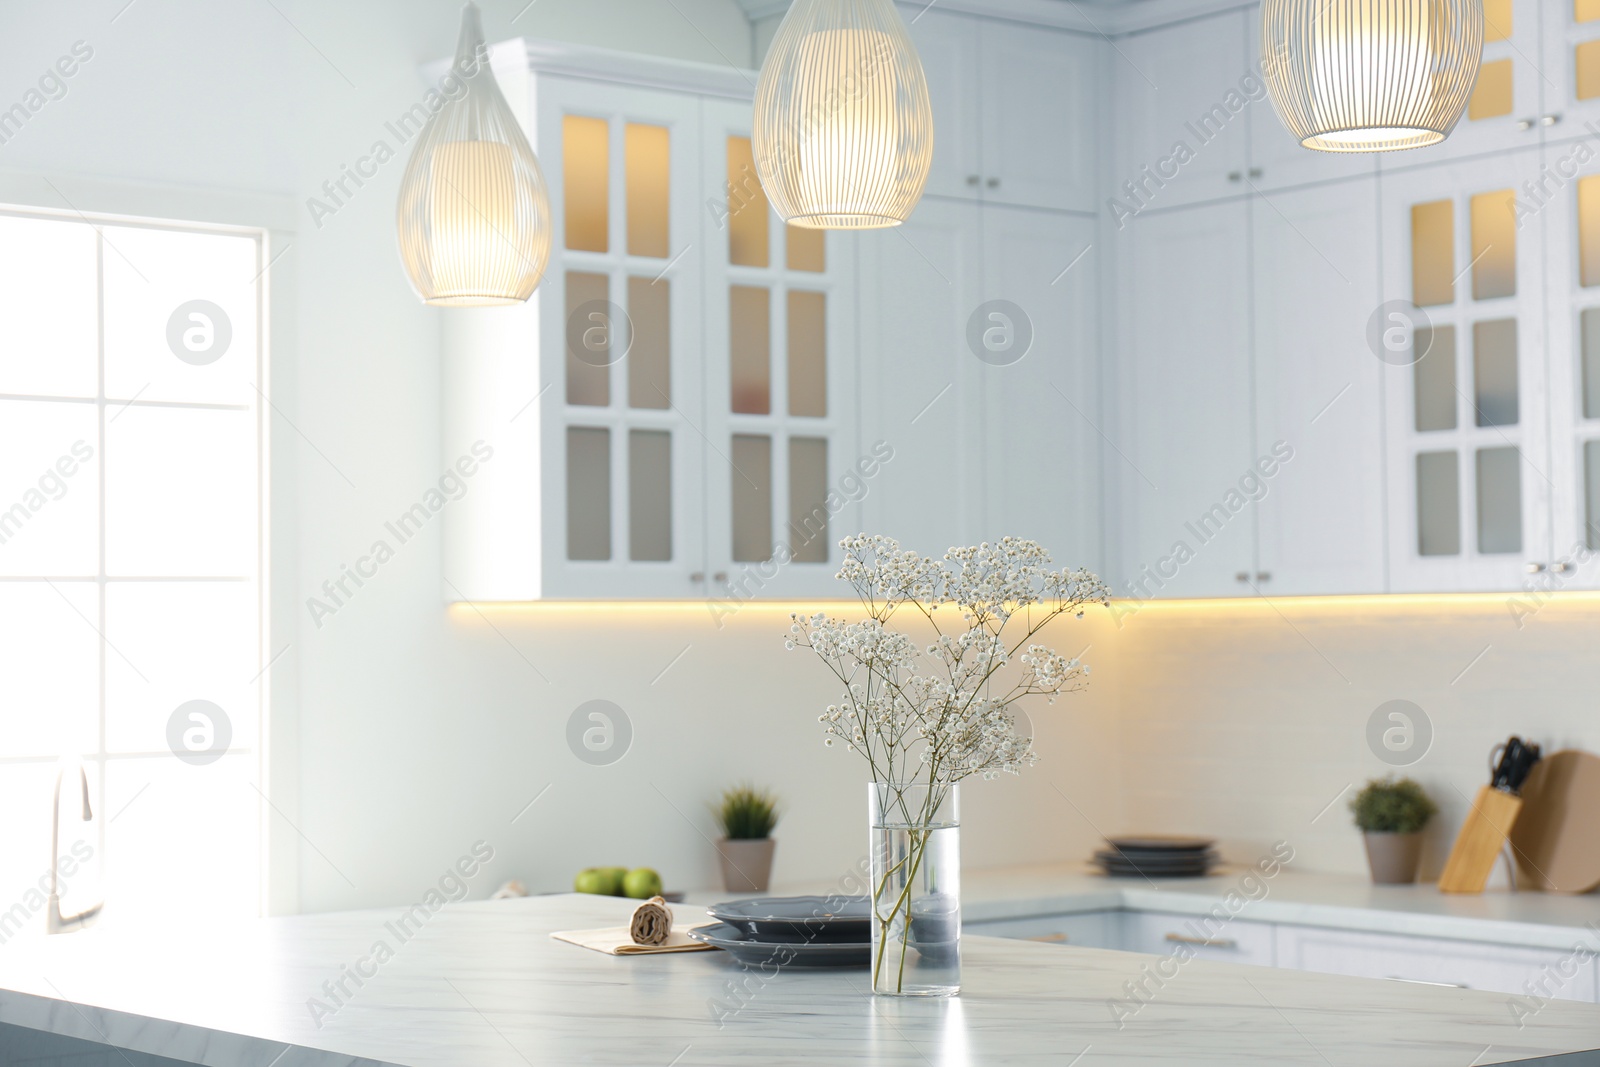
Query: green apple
[[641, 883], [601, 881]]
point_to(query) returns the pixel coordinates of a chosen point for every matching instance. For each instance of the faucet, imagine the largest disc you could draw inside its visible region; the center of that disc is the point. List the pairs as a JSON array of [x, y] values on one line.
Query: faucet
[[54, 921]]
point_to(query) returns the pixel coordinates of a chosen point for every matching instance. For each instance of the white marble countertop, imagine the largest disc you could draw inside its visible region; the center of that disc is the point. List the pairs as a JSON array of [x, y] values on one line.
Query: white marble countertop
[[483, 984], [1535, 920]]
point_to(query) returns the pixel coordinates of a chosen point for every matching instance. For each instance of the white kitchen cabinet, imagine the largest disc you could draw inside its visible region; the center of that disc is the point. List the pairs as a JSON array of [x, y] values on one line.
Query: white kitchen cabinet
[[950, 60], [920, 379], [1184, 440], [1570, 221], [1182, 94], [980, 370], [1094, 929], [1235, 941], [985, 146], [1314, 278], [781, 384], [1042, 455], [1570, 63], [1561, 974], [1470, 483], [1041, 154], [674, 413]]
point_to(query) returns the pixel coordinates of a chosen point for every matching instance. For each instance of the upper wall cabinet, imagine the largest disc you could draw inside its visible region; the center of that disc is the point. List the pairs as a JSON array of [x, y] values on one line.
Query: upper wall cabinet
[[1277, 159], [1182, 93], [1184, 439], [1471, 486], [1571, 68], [673, 414], [1314, 275], [1016, 110]]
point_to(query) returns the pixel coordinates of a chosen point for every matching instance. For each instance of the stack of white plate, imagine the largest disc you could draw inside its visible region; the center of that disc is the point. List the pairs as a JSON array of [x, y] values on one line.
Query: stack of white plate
[[1157, 856]]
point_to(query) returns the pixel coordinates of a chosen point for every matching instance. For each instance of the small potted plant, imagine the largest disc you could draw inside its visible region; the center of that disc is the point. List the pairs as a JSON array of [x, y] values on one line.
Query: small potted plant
[[746, 816], [1391, 815]]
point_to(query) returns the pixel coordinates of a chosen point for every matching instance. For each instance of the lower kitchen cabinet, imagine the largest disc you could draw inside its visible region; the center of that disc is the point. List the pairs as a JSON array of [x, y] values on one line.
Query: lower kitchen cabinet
[[1198, 937], [1531, 974], [1543, 973], [1092, 929]]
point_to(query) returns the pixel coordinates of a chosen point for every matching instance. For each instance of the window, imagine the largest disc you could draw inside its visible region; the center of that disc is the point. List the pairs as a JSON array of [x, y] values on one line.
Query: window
[[131, 606]]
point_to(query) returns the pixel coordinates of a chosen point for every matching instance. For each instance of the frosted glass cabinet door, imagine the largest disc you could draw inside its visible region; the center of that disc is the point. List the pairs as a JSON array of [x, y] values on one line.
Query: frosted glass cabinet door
[[1467, 394], [1183, 443], [1572, 269], [620, 402], [782, 476], [1571, 63], [1315, 269]]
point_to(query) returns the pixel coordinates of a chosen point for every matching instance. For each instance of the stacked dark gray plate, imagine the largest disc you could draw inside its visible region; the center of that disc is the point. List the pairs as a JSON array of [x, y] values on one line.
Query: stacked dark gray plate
[[832, 931], [1157, 856]]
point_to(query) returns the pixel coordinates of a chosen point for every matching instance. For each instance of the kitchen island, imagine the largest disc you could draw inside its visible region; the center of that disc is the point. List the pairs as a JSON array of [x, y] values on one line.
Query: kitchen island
[[483, 984]]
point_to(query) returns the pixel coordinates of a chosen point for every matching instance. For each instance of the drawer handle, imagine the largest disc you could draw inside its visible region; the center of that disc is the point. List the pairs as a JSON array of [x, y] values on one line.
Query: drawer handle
[[1205, 942], [1051, 939], [1419, 981]]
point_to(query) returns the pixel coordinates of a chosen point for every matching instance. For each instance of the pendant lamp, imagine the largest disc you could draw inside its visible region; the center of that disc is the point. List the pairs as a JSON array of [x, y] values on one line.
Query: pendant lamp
[[474, 212], [843, 131], [1370, 75]]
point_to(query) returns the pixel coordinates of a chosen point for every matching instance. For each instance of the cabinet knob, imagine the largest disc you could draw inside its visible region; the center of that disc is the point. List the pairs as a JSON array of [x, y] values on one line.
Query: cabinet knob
[[1524, 124], [993, 183], [1242, 576], [1263, 576], [697, 577], [720, 576], [1535, 568], [1562, 568], [973, 179], [1255, 172], [1549, 120], [1235, 176]]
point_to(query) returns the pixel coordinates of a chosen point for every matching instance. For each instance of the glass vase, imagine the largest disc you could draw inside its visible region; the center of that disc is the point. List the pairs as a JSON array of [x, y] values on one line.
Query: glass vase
[[916, 889]]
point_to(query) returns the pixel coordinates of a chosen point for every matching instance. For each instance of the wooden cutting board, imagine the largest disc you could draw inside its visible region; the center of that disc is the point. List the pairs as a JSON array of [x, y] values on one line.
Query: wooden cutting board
[[1557, 839]]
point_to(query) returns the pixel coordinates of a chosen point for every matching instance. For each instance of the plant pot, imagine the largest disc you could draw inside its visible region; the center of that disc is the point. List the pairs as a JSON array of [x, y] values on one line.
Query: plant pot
[[1393, 857], [746, 864]]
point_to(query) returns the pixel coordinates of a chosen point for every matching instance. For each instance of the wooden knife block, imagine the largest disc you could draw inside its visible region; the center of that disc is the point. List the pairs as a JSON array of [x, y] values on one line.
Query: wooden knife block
[[1478, 844]]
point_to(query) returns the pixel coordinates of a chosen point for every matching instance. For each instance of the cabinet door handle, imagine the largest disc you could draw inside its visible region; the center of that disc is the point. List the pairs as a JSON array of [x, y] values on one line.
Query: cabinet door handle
[[1263, 576], [1561, 568], [1255, 172], [1419, 981], [1242, 576], [1235, 176], [697, 577], [973, 179], [720, 576], [1524, 124], [1535, 568], [1204, 942], [1549, 120], [1051, 939], [993, 183]]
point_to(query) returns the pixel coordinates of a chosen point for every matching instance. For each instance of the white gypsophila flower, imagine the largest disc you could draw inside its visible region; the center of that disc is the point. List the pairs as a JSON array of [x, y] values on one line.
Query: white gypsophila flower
[[937, 712]]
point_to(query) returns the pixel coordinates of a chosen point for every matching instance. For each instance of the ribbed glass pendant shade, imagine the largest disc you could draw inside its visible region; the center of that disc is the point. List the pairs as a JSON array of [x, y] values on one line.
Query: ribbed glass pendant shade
[[843, 132], [474, 213], [1371, 75]]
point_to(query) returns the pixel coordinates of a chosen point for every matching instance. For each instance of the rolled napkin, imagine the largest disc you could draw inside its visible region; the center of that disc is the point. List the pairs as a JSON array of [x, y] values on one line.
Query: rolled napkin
[[651, 923]]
